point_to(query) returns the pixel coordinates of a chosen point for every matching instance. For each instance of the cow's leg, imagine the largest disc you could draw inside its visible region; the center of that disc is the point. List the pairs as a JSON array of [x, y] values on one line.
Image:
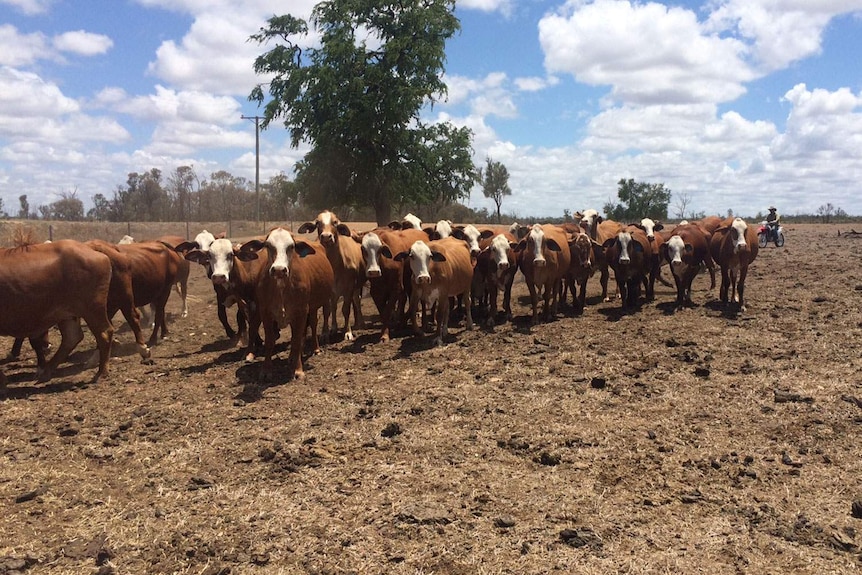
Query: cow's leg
[[345, 313], [740, 286], [534, 302], [582, 294], [358, 319], [312, 326], [442, 317], [183, 291], [493, 293], [465, 298], [133, 318], [270, 334], [603, 280], [297, 341], [725, 282]]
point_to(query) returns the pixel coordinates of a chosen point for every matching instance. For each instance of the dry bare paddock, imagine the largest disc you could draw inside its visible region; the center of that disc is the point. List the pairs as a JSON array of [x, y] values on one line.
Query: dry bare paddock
[[650, 442]]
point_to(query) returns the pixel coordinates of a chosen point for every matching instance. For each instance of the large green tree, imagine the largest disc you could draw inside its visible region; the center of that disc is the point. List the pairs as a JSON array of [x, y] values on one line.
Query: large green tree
[[356, 96], [639, 200], [495, 183]]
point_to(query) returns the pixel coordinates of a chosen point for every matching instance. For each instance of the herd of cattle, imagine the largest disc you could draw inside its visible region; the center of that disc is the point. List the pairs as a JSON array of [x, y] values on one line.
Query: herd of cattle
[[283, 280]]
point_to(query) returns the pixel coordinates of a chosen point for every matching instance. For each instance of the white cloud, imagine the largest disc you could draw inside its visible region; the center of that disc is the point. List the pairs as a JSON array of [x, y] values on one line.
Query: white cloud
[[25, 95], [648, 53], [29, 7], [83, 43], [488, 96], [535, 83], [18, 49], [503, 6]]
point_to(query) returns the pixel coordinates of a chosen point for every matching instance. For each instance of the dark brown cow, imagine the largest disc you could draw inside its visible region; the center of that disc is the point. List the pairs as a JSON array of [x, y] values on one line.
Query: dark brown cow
[[440, 269], [734, 246], [155, 268], [629, 254], [686, 251], [297, 282], [57, 283], [599, 230], [496, 266], [235, 275], [389, 280], [581, 267], [345, 257], [544, 260]]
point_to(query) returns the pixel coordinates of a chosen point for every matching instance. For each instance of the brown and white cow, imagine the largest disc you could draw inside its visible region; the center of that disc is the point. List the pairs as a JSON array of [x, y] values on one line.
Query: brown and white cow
[[43, 285], [389, 280], [345, 257], [408, 222], [441, 230], [685, 251], [472, 236], [235, 274], [599, 230], [544, 260], [650, 228], [202, 242], [296, 283], [629, 254], [734, 246], [440, 269], [496, 266]]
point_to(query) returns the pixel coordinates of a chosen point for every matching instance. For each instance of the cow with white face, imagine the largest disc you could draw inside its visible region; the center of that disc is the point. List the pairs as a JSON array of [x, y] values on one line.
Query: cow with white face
[[589, 220], [496, 267], [581, 267], [296, 282], [629, 254], [544, 260], [408, 222], [441, 230], [345, 257], [734, 246], [471, 235], [440, 269], [685, 251]]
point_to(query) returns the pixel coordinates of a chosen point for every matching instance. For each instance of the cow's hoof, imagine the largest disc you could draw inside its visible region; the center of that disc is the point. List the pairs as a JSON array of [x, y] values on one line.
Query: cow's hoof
[[348, 336], [249, 357]]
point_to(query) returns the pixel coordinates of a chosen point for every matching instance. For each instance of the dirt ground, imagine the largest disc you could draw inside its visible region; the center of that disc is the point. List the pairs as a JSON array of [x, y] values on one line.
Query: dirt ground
[[650, 442]]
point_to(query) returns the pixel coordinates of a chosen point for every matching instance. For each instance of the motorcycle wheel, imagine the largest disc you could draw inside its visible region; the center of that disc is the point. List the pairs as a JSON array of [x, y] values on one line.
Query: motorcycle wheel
[[762, 240], [779, 241]]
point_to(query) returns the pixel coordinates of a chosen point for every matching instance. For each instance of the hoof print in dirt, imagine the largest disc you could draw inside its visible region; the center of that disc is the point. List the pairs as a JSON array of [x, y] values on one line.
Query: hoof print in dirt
[[504, 522], [856, 509], [598, 383], [549, 459], [784, 396], [16, 564]]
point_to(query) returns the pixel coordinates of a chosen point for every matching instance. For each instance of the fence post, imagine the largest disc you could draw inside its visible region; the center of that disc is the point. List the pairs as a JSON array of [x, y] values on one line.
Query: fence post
[[50, 232]]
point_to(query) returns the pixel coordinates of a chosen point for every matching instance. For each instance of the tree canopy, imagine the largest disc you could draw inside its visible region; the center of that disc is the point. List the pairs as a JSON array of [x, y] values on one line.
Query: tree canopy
[[356, 98], [639, 200], [495, 183]]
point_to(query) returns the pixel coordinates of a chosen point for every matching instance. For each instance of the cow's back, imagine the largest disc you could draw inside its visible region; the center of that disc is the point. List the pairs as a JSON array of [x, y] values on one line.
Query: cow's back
[[42, 284], [455, 275]]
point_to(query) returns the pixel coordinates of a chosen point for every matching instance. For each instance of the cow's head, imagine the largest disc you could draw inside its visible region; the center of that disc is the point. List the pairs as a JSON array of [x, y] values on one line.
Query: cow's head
[[372, 249], [589, 220], [471, 235], [328, 228], [534, 246], [737, 231], [625, 244], [673, 251], [650, 227], [281, 247], [219, 259], [420, 257], [499, 252], [581, 247]]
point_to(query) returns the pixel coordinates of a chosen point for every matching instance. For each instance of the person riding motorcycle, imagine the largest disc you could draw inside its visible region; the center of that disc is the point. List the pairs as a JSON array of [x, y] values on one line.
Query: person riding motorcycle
[[772, 222]]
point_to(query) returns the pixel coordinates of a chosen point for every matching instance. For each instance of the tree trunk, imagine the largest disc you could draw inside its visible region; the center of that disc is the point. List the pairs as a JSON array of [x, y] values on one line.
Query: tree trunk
[[382, 212]]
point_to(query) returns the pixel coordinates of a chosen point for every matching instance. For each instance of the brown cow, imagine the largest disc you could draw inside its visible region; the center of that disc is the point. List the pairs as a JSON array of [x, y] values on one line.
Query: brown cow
[[581, 268], [155, 267], [345, 257], [734, 246], [629, 254], [544, 260], [389, 280], [182, 280], [57, 283], [599, 230], [440, 269], [235, 276], [297, 282], [121, 294], [686, 251], [496, 266]]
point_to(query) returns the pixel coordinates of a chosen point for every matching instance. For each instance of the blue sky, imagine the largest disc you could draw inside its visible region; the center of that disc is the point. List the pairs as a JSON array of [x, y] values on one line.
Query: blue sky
[[732, 104]]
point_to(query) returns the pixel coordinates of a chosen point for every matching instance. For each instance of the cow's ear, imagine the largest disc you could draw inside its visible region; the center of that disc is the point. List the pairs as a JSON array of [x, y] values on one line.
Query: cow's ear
[[459, 233], [609, 242], [595, 243], [395, 225], [485, 234], [252, 246], [400, 256], [578, 215], [658, 227], [438, 257], [186, 247], [304, 249], [599, 219], [553, 245], [197, 256], [430, 232], [520, 246], [386, 252], [306, 228], [245, 256], [344, 230]]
